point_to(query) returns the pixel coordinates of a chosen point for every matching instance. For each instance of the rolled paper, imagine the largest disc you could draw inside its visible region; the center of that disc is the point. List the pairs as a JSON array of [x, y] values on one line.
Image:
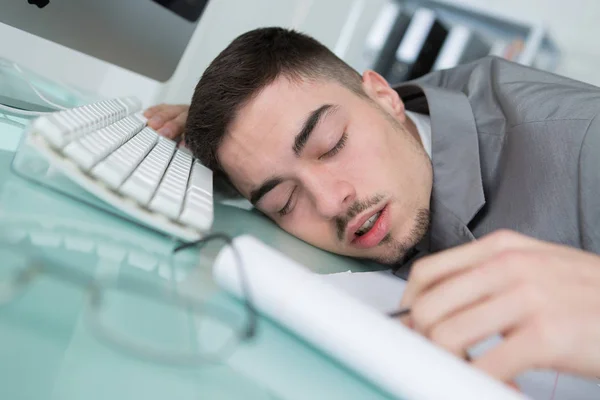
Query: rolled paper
[[379, 348]]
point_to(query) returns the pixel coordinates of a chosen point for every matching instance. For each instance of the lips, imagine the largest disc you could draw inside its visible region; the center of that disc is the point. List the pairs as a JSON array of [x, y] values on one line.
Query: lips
[[378, 229], [367, 225]]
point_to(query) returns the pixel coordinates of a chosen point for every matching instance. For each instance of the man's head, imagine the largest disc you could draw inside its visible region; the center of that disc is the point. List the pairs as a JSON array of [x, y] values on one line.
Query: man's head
[[327, 154]]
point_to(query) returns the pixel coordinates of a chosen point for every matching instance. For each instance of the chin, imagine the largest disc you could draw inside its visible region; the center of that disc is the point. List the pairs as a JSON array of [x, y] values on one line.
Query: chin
[[393, 257], [389, 252], [390, 260], [394, 250]]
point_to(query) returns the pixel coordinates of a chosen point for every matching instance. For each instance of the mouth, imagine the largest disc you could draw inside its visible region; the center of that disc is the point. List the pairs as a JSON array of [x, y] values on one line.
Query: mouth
[[369, 229]]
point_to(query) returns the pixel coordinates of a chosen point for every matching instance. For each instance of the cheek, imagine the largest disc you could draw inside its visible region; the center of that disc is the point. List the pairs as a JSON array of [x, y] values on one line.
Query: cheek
[[306, 225], [300, 220], [376, 137], [365, 161]]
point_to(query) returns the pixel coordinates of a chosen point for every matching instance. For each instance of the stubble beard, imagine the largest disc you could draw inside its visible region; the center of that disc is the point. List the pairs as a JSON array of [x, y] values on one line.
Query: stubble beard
[[398, 249]]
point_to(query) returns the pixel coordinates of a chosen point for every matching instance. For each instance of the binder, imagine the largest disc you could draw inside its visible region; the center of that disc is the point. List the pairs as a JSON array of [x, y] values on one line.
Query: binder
[[461, 46], [419, 47], [385, 36]]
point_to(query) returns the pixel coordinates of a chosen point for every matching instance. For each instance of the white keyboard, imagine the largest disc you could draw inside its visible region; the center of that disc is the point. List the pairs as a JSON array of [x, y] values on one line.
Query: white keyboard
[[107, 148]]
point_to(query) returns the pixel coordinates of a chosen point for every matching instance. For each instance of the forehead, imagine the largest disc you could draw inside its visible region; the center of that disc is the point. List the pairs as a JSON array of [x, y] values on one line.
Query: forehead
[[259, 142]]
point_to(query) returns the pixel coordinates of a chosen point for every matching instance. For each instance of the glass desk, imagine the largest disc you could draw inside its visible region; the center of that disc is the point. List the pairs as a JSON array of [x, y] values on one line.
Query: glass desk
[[49, 351]]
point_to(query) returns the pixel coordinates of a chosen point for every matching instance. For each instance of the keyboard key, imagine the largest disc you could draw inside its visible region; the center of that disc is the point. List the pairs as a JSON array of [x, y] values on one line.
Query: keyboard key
[[132, 104], [142, 184], [198, 205], [197, 213], [62, 127], [119, 165], [201, 179], [199, 197], [94, 147], [169, 196]]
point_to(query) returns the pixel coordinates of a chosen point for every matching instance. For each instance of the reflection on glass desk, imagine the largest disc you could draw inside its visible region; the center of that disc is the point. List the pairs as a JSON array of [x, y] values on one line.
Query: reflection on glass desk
[[47, 350], [11, 128], [21, 87]]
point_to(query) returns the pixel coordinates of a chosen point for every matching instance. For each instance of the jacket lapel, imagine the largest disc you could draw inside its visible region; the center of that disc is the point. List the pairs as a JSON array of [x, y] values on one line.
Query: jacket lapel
[[457, 194]]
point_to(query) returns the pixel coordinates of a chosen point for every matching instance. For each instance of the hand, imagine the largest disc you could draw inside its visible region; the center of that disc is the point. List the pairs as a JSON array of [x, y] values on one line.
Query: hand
[[543, 298], [167, 119]]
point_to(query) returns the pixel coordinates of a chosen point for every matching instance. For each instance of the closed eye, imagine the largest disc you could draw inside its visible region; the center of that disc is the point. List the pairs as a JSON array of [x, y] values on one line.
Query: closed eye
[[339, 145], [287, 208]]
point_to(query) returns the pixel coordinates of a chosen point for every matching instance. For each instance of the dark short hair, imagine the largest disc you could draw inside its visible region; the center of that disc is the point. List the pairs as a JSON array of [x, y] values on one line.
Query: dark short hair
[[249, 64]]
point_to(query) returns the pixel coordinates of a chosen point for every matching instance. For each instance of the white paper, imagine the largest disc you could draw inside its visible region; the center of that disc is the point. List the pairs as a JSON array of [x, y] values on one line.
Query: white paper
[[382, 350], [381, 290]]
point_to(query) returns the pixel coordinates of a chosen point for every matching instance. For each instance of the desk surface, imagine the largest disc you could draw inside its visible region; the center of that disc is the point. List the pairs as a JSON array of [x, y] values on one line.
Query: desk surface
[[47, 349]]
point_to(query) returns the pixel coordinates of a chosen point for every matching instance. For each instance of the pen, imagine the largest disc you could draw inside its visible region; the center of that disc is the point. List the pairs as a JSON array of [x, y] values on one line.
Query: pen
[[401, 312], [405, 311]]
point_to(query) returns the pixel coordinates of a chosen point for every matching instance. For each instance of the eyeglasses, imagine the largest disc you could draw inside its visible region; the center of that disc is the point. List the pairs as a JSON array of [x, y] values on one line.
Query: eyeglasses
[[139, 318]]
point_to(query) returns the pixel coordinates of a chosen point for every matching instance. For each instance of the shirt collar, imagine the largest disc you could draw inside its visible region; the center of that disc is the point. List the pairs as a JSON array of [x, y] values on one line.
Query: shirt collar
[[423, 124], [457, 194]]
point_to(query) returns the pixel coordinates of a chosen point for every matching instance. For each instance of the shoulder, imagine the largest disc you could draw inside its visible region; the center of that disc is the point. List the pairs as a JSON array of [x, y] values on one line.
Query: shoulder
[[498, 70], [524, 94]]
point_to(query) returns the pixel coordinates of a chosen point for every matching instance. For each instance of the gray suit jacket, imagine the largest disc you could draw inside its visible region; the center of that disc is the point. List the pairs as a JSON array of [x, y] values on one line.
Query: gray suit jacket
[[512, 147]]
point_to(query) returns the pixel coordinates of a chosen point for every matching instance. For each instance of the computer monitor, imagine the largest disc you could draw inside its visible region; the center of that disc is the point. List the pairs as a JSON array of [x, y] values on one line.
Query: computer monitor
[[144, 36]]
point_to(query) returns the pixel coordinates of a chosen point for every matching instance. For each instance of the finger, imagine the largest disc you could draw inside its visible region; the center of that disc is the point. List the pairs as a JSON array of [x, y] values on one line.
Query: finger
[[407, 321], [150, 111], [516, 354], [494, 315], [430, 270], [174, 128], [164, 115], [458, 292]]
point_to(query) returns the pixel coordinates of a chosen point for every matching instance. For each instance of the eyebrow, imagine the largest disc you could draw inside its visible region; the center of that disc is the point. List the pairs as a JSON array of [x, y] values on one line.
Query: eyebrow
[[309, 126], [265, 188], [300, 141]]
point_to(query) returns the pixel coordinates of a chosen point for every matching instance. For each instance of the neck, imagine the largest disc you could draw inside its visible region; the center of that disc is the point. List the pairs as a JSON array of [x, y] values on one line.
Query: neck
[[412, 129]]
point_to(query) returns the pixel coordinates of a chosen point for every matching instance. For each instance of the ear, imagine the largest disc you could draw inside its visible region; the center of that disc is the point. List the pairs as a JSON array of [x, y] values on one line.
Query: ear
[[380, 91]]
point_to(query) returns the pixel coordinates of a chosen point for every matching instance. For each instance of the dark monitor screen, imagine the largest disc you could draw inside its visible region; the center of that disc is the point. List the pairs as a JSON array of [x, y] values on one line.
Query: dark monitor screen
[[145, 36], [188, 9]]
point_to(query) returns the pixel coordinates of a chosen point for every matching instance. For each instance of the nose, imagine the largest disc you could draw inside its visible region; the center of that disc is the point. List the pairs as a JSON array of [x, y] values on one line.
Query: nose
[[331, 195]]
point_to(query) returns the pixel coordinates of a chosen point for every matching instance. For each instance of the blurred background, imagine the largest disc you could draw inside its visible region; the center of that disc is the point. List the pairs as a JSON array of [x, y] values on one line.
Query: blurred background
[[76, 51], [401, 39]]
